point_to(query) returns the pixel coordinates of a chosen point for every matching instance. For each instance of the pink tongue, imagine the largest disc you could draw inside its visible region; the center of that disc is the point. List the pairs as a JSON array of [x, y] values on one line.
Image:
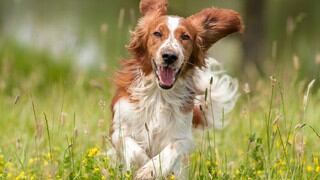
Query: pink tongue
[[166, 76]]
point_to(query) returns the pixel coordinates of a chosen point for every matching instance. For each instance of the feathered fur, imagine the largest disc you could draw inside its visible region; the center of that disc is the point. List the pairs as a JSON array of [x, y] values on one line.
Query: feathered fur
[[152, 124]]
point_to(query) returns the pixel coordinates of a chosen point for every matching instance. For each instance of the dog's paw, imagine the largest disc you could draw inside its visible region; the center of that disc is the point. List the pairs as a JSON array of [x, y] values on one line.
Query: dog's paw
[[146, 172]]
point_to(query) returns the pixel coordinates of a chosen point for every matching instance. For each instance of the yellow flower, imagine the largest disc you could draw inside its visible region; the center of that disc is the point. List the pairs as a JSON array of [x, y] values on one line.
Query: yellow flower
[[96, 170], [9, 175], [49, 155], [93, 152], [84, 162], [21, 176], [309, 168], [32, 161], [33, 177], [318, 169], [259, 172], [128, 175], [172, 177], [9, 168], [208, 163], [219, 172], [9, 165], [282, 162], [316, 160]]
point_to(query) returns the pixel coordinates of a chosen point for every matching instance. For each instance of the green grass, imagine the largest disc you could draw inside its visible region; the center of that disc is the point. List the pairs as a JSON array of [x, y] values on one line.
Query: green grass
[[54, 118], [54, 123]]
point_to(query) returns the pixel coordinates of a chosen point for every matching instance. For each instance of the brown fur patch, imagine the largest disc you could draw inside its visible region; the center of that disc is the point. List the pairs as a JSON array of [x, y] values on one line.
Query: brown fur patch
[[213, 24], [198, 119], [204, 29], [151, 6]]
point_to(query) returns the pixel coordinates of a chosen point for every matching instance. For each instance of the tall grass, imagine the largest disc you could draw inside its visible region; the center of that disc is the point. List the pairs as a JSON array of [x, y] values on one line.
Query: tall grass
[[63, 134], [55, 125]]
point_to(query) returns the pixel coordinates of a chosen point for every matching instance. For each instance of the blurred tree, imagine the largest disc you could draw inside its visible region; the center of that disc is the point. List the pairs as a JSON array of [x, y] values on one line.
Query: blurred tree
[[254, 35]]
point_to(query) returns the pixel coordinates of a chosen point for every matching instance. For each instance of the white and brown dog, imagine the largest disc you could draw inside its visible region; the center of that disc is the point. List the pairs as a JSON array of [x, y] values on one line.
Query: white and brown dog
[[160, 90]]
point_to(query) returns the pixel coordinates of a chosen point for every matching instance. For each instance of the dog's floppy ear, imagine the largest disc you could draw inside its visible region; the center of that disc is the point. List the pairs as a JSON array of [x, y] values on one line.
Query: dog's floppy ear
[[149, 9], [153, 6], [213, 24], [138, 41]]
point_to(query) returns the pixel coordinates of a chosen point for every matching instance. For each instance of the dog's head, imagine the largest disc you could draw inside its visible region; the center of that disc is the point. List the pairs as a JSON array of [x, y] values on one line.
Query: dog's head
[[169, 46]]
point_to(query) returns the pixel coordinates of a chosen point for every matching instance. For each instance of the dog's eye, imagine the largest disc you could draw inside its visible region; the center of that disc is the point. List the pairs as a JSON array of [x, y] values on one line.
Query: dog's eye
[[185, 37], [157, 34]]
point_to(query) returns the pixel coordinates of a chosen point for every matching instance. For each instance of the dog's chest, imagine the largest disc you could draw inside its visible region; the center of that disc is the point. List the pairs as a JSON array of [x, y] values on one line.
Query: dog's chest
[[157, 117], [156, 122]]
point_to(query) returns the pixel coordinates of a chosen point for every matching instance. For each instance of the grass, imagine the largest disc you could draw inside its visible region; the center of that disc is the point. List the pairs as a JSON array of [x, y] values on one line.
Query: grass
[[55, 126], [54, 118]]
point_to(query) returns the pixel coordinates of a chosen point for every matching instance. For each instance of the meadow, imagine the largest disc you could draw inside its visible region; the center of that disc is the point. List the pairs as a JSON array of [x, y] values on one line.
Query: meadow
[[55, 114], [57, 128]]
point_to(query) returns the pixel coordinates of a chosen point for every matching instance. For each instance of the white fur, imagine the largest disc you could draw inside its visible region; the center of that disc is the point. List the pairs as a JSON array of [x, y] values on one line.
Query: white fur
[[156, 124], [173, 23], [154, 131], [171, 43], [222, 93]]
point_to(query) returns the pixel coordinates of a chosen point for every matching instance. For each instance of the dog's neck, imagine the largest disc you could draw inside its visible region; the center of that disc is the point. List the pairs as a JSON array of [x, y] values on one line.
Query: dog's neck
[[147, 93]]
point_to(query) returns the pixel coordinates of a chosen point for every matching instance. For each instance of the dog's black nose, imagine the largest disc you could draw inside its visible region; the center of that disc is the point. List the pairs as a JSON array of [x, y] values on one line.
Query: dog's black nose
[[169, 58]]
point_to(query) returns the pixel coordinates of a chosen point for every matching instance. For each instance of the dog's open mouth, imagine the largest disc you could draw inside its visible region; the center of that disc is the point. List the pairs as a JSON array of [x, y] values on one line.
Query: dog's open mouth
[[167, 76]]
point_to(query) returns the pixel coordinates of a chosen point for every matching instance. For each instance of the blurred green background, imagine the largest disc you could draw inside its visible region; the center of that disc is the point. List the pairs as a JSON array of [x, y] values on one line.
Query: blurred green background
[[60, 39], [57, 59]]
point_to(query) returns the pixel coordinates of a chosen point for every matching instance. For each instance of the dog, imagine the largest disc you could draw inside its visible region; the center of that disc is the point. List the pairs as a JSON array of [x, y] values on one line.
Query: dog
[[162, 90]]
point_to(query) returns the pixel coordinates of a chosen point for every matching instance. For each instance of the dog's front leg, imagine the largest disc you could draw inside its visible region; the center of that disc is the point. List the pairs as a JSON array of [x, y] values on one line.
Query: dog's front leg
[[163, 163], [132, 153]]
